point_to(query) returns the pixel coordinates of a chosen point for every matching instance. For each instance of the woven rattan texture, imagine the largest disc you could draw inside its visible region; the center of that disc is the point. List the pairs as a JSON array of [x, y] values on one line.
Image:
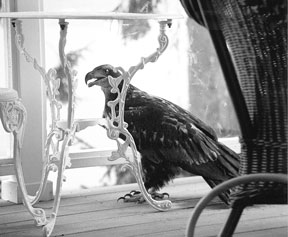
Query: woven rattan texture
[[256, 35]]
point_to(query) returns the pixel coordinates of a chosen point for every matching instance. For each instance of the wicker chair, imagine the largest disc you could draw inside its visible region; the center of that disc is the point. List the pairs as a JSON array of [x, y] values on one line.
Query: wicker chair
[[250, 38]]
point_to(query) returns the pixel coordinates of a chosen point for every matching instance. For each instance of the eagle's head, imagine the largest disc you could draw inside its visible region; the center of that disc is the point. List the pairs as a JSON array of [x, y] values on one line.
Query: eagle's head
[[99, 76]]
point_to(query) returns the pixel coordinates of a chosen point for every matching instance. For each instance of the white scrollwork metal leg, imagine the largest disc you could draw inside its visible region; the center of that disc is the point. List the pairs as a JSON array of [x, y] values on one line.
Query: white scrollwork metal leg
[[13, 115], [52, 84], [64, 161], [117, 125], [56, 157], [69, 133]]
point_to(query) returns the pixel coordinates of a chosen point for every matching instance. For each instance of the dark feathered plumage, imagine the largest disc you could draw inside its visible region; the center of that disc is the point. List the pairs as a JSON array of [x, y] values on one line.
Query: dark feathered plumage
[[168, 137]]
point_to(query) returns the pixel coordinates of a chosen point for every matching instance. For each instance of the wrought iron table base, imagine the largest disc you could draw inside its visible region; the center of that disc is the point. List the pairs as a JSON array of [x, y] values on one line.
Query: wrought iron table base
[[59, 138], [114, 131]]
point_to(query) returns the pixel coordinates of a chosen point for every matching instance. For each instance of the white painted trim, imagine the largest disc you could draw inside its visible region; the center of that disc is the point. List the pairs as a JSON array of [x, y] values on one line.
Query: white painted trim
[[88, 158], [11, 191], [89, 15], [92, 158], [7, 167], [7, 170]]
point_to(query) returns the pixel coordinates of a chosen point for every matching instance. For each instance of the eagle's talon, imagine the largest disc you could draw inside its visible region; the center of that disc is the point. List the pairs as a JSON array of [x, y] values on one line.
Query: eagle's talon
[[133, 196], [128, 195], [160, 196], [137, 196], [134, 192], [121, 198], [166, 194]]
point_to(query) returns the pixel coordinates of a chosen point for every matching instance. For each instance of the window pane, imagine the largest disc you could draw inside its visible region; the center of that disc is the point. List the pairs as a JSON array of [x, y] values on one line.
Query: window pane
[[188, 72]]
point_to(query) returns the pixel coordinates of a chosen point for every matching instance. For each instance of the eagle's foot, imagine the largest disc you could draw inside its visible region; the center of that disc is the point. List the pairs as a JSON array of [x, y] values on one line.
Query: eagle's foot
[[159, 196], [133, 196], [136, 196]]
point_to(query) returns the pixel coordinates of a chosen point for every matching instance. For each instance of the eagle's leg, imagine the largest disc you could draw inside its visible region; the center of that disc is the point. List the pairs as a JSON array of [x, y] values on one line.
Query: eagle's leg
[[136, 196]]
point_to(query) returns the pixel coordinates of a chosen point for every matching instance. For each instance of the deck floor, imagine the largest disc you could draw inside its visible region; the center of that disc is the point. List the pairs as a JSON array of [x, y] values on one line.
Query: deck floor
[[97, 213]]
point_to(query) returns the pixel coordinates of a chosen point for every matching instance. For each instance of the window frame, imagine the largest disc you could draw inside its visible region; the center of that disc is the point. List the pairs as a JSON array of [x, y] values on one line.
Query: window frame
[[23, 77]]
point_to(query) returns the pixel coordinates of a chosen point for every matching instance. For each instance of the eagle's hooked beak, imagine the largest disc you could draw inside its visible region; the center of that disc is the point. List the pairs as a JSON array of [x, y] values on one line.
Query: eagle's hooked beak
[[94, 78], [99, 76]]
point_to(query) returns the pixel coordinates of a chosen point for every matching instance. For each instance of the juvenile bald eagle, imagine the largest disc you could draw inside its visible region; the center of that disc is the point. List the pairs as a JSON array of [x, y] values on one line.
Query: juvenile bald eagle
[[168, 137]]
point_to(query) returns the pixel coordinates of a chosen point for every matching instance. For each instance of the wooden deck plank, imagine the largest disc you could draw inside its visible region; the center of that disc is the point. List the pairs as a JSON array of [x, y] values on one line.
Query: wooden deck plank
[[249, 226], [194, 185], [91, 200], [97, 213], [279, 232], [176, 220]]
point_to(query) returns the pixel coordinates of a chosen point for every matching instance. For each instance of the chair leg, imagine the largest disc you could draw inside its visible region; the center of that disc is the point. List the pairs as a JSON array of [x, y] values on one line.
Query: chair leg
[[190, 229], [232, 221]]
